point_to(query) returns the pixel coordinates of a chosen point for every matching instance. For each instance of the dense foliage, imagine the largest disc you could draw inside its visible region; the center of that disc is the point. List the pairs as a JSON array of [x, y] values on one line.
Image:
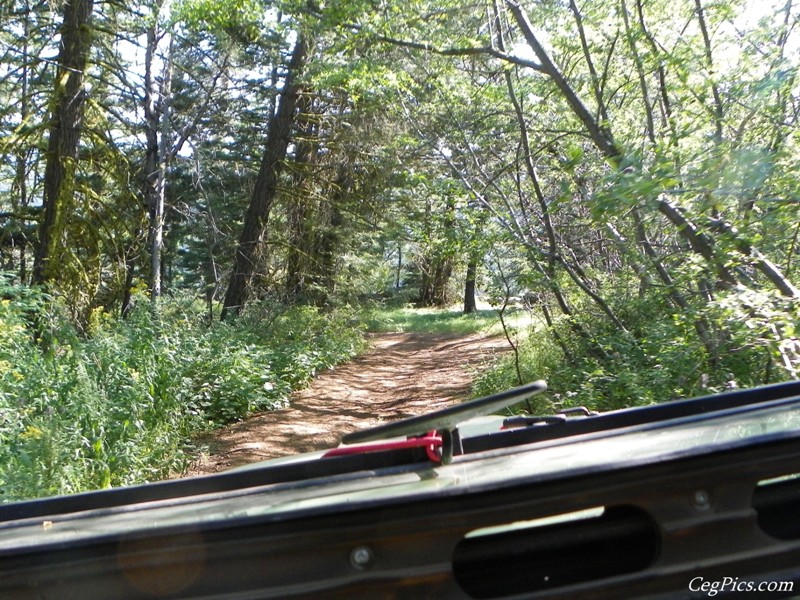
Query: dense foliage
[[119, 405], [628, 171]]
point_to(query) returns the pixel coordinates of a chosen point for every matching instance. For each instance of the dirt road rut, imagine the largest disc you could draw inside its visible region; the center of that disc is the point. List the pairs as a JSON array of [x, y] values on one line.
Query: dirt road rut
[[403, 374]]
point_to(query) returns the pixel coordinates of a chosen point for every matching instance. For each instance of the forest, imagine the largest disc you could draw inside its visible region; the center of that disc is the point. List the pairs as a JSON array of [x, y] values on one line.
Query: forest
[[205, 202]]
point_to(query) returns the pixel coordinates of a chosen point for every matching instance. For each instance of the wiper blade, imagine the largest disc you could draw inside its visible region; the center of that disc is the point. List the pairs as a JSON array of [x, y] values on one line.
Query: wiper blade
[[447, 418]]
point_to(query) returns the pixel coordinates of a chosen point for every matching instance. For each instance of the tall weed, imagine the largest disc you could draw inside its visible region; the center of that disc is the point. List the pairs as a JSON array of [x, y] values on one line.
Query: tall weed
[[119, 405]]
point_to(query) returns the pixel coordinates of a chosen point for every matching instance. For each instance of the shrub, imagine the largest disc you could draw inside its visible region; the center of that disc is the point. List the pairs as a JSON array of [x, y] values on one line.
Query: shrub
[[660, 359], [120, 405]]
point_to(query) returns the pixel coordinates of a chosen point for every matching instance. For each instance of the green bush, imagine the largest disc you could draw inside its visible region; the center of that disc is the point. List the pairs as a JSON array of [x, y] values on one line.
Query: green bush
[[659, 359], [119, 405]]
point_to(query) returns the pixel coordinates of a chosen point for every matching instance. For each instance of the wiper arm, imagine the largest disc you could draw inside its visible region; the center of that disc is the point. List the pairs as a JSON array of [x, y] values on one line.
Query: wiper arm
[[448, 418]]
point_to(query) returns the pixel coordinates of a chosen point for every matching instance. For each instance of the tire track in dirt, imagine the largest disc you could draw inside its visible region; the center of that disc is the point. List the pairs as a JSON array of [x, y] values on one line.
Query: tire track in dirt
[[401, 375]]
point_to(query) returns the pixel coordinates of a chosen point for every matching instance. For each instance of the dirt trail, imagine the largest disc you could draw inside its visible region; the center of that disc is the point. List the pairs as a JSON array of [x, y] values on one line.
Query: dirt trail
[[403, 374]]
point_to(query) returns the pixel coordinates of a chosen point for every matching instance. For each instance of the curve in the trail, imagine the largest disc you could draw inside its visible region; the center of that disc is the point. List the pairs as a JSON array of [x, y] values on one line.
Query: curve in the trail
[[402, 375]]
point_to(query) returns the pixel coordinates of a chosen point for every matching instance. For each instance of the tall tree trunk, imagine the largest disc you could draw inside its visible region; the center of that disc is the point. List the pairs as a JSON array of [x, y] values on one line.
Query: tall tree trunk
[[435, 280], [65, 132], [156, 112], [667, 115], [21, 200], [398, 271], [327, 249], [328, 241], [549, 269], [470, 306], [437, 263], [127, 289], [266, 186], [300, 210], [597, 87]]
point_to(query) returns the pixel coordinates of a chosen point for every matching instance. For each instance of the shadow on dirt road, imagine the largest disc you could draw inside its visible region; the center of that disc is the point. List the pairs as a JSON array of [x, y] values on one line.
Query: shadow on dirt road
[[402, 375]]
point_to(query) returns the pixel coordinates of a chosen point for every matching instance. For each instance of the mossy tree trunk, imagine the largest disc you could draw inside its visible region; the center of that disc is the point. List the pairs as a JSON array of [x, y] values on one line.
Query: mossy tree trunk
[[65, 134]]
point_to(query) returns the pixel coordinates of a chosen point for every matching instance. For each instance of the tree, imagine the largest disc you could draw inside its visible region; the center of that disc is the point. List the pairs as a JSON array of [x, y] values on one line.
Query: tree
[[618, 110], [25, 43], [266, 185], [157, 94], [65, 133]]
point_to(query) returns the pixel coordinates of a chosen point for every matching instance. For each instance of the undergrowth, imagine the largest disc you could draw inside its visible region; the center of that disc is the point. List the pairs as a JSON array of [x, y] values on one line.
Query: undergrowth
[[120, 403], [659, 358]]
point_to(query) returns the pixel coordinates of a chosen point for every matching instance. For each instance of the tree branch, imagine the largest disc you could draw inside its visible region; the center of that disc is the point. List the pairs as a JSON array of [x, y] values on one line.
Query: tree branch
[[465, 51]]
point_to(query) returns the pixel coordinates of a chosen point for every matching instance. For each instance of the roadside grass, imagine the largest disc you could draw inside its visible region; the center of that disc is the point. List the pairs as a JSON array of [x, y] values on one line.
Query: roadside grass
[[446, 321]]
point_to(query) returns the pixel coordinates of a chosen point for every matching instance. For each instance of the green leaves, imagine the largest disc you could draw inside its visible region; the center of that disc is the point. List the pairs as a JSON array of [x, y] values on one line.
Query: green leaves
[[221, 15], [120, 407]]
